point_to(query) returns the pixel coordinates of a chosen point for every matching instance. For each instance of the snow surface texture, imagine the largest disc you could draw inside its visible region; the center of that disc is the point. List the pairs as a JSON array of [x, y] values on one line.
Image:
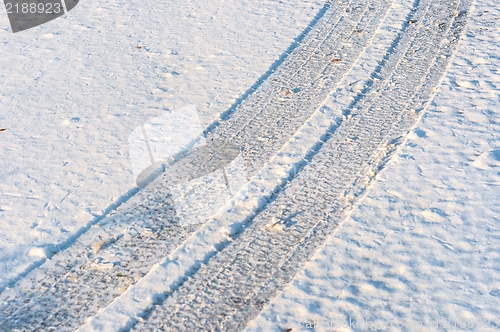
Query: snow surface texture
[[74, 89], [161, 138], [123, 248], [423, 244], [238, 281], [282, 220]]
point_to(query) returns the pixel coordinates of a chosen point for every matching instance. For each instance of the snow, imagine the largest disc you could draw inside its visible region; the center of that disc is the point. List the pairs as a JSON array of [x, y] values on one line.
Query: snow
[[74, 89], [214, 235], [163, 137], [422, 247]]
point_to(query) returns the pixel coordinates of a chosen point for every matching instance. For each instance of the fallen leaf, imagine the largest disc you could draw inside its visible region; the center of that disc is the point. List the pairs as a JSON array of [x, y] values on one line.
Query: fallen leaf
[[336, 60], [139, 47]]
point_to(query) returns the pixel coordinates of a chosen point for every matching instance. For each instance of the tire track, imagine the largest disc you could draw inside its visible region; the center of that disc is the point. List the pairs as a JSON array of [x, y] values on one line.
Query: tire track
[[242, 278], [109, 258], [268, 120]]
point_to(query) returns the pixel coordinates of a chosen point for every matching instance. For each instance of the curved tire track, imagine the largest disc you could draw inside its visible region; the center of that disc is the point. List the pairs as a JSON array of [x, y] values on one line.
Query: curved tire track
[[105, 261], [242, 278]]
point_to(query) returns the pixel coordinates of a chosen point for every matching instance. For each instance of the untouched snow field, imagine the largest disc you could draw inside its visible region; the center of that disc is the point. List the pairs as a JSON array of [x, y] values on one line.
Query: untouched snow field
[[75, 88], [422, 248]]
